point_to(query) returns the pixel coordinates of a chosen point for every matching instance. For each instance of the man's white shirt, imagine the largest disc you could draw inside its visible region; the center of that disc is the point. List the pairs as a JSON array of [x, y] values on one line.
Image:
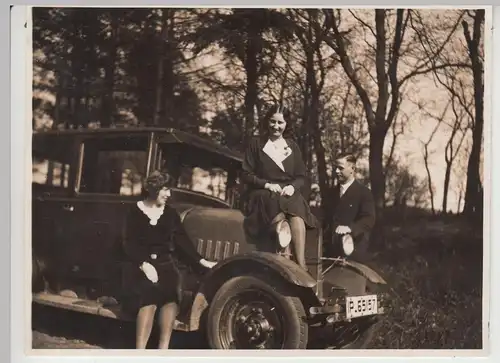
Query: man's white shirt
[[344, 187]]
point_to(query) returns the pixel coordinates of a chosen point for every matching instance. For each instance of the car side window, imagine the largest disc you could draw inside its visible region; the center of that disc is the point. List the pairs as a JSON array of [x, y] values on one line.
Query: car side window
[[114, 165], [50, 163], [50, 172]]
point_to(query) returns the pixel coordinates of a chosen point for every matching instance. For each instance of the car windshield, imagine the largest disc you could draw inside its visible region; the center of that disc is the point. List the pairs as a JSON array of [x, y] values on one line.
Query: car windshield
[[197, 170]]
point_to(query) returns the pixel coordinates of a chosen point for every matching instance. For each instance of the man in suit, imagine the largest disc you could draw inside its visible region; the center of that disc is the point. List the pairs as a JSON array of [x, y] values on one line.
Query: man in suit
[[354, 210]]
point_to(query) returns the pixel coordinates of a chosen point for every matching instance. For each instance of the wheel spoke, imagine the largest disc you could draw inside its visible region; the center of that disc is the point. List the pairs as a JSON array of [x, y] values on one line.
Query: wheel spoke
[[252, 321]]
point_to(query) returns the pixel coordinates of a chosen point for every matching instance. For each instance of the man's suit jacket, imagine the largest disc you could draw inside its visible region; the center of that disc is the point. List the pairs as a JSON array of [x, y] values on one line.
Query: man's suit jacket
[[355, 209]]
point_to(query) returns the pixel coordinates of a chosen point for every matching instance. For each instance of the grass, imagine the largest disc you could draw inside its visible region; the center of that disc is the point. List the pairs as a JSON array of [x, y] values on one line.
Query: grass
[[434, 266]]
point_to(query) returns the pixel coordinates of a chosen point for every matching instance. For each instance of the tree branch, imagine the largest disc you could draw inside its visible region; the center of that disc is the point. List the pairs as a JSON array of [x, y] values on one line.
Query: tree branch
[[339, 46], [365, 24], [430, 64], [421, 71]]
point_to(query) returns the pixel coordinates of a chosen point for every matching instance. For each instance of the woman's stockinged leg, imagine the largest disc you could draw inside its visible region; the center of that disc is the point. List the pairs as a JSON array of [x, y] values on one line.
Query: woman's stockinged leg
[[168, 313], [145, 318], [298, 229]]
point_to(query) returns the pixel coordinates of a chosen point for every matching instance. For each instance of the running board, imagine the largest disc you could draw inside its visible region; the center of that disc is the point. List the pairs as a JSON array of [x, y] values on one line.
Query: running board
[[89, 307]]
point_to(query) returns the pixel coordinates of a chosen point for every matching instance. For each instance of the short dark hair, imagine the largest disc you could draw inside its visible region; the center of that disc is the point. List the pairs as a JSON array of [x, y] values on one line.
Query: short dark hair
[[350, 158], [155, 182]]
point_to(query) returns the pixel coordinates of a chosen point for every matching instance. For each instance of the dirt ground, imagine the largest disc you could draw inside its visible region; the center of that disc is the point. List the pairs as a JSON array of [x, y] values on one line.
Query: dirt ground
[[59, 329]]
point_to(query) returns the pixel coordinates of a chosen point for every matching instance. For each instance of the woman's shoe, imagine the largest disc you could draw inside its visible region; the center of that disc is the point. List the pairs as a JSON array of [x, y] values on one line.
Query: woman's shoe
[[281, 231], [306, 269]]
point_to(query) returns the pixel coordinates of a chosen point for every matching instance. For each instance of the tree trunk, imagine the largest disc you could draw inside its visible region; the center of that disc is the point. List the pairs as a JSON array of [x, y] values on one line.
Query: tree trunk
[[160, 68], [429, 177], [304, 136], [252, 73], [446, 186], [57, 105], [168, 68], [473, 191], [460, 196], [324, 185], [377, 177], [108, 107], [377, 182]]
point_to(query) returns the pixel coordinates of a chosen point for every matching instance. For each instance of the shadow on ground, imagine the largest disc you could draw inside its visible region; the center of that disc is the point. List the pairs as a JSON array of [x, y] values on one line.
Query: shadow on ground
[[62, 329]]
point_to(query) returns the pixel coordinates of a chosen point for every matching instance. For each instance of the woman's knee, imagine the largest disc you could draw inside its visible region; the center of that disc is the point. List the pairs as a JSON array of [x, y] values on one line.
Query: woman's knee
[[278, 218], [296, 219], [168, 314], [170, 305], [148, 309]]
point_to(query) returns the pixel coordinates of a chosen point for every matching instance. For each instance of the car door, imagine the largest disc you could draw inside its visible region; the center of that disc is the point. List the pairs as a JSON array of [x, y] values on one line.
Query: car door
[[52, 182], [109, 180]]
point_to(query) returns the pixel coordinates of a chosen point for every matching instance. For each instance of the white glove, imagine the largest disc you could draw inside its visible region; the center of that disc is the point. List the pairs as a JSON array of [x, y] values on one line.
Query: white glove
[[288, 190], [150, 272], [275, 188], [207, 264]]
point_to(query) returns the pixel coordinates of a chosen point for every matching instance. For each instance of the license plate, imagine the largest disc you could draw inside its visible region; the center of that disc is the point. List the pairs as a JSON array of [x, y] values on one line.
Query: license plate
[[357, 306]]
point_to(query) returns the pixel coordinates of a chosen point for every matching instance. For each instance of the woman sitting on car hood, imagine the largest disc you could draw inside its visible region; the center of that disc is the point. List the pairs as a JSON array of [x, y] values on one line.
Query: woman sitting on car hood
[[275, 173]]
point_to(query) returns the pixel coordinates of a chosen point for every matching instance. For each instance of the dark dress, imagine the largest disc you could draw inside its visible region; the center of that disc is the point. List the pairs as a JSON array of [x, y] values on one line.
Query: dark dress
[[168, 240], [262, 204]]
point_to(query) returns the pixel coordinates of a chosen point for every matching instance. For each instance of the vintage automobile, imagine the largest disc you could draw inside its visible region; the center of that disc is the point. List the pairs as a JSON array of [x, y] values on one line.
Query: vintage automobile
[[251, 299]]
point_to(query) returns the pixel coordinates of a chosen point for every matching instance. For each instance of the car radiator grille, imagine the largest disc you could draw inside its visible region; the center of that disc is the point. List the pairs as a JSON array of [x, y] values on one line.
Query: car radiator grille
[[217, 250]]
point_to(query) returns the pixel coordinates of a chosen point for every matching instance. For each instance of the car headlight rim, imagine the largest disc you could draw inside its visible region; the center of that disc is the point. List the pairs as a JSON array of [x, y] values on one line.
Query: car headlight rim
[[347, 244]]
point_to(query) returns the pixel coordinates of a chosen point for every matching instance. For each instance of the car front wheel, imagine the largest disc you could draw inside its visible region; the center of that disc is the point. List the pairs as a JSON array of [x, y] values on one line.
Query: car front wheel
[[250, 313]]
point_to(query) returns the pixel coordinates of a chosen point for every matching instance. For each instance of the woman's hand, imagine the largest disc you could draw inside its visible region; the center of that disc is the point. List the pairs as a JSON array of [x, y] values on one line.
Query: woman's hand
[[275, 188], [150, 272], [288, 190], [207, 264]]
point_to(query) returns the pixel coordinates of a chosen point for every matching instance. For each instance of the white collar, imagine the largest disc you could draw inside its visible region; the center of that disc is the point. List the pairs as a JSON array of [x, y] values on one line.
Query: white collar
[[278, 151], [152, 213], [345, 186]]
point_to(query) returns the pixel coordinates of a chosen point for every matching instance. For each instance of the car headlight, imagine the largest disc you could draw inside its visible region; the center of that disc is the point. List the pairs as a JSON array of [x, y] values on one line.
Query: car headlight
[[284, 233], [347, 244]]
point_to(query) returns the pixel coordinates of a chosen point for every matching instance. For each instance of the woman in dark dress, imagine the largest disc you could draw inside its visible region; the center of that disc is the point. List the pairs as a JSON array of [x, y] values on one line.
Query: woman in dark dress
[[275, 173], [154, 239]]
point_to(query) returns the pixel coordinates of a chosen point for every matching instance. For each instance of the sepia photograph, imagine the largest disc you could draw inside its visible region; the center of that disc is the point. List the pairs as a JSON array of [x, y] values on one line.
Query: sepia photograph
[[259, 178]]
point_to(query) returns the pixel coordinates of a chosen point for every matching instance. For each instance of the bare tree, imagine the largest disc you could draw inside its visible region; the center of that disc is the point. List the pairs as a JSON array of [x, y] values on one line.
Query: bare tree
[[452, 149], [389, 53], [426, 161], [456, 86], [381, 111]]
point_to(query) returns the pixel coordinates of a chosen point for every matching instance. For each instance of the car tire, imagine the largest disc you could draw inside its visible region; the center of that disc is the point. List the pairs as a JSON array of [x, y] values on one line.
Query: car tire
[[248, 312]]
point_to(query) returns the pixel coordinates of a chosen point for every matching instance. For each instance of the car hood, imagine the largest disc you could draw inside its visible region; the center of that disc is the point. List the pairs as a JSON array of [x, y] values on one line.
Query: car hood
[[208, 227]]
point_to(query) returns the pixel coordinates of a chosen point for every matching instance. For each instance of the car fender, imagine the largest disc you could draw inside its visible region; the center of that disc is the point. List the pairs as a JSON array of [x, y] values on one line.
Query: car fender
[[241, 264], [366, 271], [354, 277]]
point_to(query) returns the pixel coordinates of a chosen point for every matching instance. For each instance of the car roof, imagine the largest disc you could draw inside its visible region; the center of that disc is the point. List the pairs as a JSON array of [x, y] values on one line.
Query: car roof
[[169, 135]]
